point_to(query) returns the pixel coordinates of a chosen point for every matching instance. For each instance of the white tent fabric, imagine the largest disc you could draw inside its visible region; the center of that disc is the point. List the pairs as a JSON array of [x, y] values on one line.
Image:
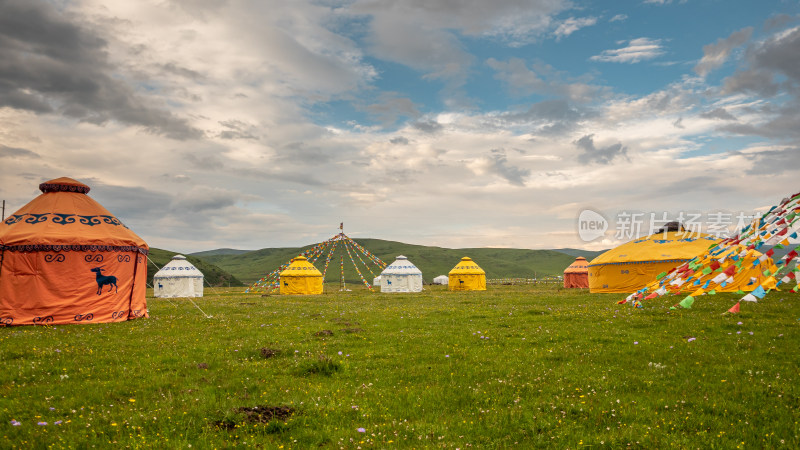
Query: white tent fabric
[[441, 279], [376, 281], [179, 278], [401, 276]]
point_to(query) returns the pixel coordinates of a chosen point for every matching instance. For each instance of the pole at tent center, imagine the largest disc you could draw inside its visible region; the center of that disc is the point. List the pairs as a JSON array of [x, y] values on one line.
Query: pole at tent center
[[342, 286]]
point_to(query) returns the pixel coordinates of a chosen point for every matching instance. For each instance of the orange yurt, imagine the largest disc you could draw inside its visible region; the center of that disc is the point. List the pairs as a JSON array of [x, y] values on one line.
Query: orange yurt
[[66, 259], [577, 274]]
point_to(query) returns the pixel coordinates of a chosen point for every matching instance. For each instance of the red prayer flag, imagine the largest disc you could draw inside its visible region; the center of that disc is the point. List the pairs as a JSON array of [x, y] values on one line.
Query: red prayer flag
[[734, 309]]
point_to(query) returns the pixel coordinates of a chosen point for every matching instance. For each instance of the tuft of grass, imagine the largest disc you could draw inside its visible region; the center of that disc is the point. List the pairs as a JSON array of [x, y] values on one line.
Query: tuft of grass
[[323, 365]]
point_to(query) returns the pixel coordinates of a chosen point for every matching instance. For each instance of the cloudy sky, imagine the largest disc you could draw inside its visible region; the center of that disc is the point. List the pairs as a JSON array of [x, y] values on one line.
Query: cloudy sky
[[248, 124]]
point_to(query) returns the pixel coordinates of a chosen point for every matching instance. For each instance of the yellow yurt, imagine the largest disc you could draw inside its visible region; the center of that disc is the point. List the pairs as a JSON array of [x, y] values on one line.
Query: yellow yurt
[[466, 276], [633, 265], [747, 278], [301, 278]]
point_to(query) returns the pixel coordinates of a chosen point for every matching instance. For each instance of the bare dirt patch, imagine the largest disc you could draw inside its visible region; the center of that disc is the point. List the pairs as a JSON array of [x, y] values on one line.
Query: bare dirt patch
[[353, 330], [256, 414], [268, 352]]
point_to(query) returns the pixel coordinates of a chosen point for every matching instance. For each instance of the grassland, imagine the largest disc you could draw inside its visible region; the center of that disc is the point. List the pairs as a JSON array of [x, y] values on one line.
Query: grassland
[[432, 261], [515, 366]]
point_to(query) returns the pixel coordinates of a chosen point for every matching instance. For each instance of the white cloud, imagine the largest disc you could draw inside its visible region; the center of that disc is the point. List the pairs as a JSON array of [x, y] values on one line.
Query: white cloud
[[541, 79], [715, 55], [637, 50], [572, 25]]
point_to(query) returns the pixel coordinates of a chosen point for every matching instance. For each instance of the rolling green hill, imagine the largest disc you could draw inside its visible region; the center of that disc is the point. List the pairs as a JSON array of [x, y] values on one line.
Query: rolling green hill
[[214, 276], [575, 252], [432, 261], [220, 251]]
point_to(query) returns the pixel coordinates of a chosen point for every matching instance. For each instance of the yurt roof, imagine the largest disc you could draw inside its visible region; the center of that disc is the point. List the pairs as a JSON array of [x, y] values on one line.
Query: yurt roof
[[64, 216], [401, 266], [301, 267], [675, 246], [179, 267], [580, 265], [467, 267]]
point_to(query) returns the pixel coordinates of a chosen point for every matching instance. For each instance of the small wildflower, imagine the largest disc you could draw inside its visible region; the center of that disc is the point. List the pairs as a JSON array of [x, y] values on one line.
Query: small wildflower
[[340, 353], [361, 430], [57, 422], [691, 339], [132, 400], [15, 423], [635, 342], [42, 423]]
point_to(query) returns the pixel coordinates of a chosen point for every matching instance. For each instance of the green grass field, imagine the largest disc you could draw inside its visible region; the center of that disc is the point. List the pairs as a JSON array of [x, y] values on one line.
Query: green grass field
[[515, 366]]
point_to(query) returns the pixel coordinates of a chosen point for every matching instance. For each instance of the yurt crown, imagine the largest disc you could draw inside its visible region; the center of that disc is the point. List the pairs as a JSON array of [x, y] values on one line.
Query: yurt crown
[[64, 184]]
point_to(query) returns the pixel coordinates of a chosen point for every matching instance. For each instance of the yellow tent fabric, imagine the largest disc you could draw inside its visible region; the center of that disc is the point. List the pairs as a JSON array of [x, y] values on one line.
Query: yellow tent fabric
[[301, 278], [746, 279], [466, 276], [631, 266]]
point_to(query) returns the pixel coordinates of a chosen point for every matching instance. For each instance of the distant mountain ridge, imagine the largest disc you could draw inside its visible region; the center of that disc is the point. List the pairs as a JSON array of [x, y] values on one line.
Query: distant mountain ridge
[[588, 254], [220, 251], [250, 266]]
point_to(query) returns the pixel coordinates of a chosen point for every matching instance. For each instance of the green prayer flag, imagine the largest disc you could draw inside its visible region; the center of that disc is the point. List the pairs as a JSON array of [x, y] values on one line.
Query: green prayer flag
[[712, 292], [707, 270], [740, 291], [687, 302], [661, 275], [767, 273]]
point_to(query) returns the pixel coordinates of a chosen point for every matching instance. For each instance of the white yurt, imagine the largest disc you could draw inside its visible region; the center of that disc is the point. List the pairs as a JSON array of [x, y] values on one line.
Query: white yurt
[[441, 279], [179, 278], [376, 281], [401, 276]]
